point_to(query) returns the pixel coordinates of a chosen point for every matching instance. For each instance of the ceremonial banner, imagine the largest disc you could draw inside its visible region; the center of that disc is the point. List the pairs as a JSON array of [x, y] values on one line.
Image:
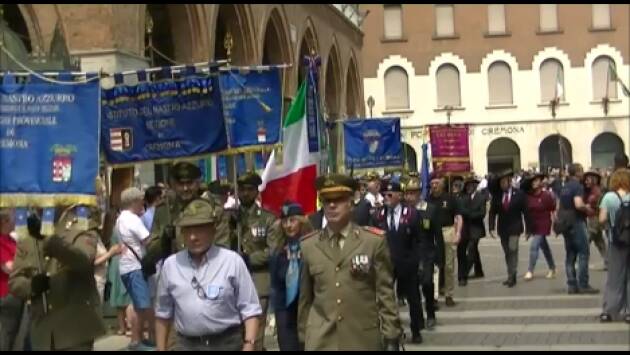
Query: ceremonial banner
[[49, 151], [252, 106], [163, 120], [371, 143], [449, 149]]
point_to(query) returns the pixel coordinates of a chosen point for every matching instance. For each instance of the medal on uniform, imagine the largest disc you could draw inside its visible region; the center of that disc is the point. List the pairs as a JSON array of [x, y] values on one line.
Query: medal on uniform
[[364, 263]]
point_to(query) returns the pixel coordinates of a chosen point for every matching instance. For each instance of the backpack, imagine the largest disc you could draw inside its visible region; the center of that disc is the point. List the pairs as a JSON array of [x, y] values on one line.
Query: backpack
[[621, 229]]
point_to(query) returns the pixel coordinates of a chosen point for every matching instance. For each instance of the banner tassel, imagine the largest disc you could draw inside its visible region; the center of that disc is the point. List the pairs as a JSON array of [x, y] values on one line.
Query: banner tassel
[[48, 222]]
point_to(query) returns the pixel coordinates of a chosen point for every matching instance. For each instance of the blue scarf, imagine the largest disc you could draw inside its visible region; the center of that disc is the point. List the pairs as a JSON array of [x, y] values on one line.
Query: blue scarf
[[292, 280]]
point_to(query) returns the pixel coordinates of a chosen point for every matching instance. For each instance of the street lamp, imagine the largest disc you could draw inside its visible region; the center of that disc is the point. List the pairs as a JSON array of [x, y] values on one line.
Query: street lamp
[[370, 103]]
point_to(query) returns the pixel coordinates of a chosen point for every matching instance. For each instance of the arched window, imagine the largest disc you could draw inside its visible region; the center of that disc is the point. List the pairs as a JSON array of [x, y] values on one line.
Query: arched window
[[500, 83], [396, 88], [448, 92], [604, 84], [551, 80]]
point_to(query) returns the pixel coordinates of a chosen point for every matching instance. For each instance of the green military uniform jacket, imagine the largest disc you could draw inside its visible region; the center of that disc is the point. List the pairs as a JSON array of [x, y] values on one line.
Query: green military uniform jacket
[[260, 235], [166, 214], [74, 316], [342, 309]]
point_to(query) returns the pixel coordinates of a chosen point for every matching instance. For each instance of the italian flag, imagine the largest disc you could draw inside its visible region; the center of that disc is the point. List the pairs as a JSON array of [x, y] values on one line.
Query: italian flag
[[292, 176]]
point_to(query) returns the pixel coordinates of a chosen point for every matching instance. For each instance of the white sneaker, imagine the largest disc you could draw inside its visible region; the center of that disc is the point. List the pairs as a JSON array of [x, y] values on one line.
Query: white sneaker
[[529, 276], [551, 274]]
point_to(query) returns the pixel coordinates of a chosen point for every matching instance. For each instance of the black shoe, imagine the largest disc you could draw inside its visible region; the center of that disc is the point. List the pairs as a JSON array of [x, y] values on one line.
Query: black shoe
[[441, 292], [401, 302], [430, 323], [450, 302], [627, 319], [589, 290], [605, 318], [416, 339], [506, 282], [511, 283], [573, 291], [463, 283]]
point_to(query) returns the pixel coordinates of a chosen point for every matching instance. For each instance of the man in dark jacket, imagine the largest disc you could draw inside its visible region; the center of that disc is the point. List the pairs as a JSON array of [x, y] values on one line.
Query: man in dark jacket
[[473, 211], [508, 204], [402, 225]]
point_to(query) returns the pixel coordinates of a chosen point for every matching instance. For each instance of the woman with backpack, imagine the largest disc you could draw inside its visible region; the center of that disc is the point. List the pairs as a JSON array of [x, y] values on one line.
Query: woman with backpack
[[617, 292]]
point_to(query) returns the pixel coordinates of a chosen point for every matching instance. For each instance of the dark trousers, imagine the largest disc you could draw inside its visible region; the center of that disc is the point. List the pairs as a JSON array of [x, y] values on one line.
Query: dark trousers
[[474, 260], [462, 258], [286, 323], [510, 249], [409, 283], [440, 261], [428, 288], [10, 318], [229, 340]]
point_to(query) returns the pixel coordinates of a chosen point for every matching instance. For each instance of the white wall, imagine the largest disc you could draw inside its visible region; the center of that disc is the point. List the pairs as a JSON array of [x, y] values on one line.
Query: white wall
[[579, 119]]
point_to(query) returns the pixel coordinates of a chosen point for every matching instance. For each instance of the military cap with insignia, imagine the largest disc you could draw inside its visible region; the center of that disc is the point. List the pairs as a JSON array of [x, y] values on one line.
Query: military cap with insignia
[[250, 178], [185, 171], [197, 212], [393, 186], [335, 185]]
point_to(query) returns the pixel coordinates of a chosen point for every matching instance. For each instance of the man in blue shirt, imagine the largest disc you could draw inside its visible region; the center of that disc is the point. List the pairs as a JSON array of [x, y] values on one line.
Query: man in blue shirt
[[576, 238], [206, 289]]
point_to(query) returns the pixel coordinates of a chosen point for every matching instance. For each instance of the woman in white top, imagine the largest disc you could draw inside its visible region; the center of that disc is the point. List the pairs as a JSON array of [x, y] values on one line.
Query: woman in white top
[[100, 265], [135, 236]]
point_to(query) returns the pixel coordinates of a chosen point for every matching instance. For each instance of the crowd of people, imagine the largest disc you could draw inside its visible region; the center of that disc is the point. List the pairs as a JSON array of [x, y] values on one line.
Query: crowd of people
[[199, 268]]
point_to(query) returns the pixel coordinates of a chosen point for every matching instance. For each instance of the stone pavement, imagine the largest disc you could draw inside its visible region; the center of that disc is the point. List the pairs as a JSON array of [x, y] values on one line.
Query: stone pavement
[[534, 315]]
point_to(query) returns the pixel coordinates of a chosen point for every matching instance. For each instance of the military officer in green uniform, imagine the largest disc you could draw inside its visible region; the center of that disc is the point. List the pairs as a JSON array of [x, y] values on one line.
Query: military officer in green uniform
[[185, 180], [65, 304], [346, 287], [260, 235]]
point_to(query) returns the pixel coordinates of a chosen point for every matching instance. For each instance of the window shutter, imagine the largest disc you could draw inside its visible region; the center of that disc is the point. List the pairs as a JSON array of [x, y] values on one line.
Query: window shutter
[[548, 17], [393, 21], [444, 20], [601, 16], [496, 18], [602, 77], [396, 88], [500, 84], [448, 90], [550, 72]]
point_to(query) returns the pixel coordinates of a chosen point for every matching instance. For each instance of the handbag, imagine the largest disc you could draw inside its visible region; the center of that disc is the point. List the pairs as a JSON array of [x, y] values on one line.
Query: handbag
[[107, 291], [564, 222]]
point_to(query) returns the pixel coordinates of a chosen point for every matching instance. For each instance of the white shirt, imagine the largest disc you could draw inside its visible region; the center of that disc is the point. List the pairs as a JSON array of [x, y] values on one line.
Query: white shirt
[[375, 200], [131, 231], [324, 221], [482, 185], [100, 271], [230, 203], [397, 212]]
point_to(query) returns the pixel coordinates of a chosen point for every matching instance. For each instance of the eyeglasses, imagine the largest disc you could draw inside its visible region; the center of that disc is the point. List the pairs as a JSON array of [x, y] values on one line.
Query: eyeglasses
[[200, 292]]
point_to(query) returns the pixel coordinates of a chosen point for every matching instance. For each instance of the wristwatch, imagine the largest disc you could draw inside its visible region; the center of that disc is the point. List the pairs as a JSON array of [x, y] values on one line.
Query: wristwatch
[[251, 341]]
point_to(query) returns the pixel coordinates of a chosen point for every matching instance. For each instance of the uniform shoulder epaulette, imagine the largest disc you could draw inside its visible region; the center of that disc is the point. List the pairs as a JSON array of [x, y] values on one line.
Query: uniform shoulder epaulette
[[308, 236], [379, 232]]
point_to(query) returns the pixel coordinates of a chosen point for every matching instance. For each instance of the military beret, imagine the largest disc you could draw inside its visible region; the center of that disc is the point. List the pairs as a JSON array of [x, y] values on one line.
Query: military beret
[[291, 209], [250, 178], [185, 171], [335, 184], [471, 180], [393, 186], [197, 212], [505, 173]]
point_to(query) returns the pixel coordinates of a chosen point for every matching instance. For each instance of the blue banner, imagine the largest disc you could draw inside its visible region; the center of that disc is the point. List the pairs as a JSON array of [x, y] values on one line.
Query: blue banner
[[424, 172], [222, 167], [312, 103], [371, 143], [252, 106], [163, 120], [49, 152]]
